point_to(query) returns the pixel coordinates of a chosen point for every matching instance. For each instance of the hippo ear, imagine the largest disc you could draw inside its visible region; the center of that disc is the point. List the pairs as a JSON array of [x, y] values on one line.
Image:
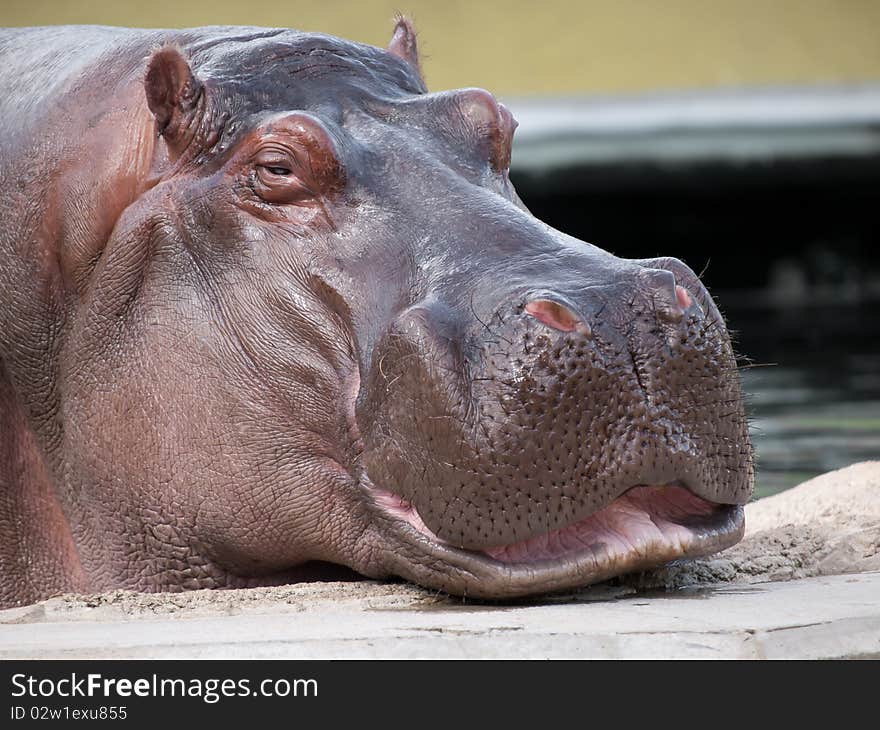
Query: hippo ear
[[403, 44], [172, 91]]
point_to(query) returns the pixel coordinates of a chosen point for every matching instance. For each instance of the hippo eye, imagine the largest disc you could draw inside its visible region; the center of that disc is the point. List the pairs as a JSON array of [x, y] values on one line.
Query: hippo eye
[[276, 181], [280, 171], [293, 162]]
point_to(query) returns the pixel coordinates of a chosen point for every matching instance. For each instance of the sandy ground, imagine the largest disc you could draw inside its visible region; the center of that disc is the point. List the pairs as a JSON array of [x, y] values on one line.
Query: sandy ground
[[805, 581]]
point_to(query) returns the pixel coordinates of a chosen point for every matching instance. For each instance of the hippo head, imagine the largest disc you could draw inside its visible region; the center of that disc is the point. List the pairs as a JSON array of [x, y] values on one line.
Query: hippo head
[[328, 331]]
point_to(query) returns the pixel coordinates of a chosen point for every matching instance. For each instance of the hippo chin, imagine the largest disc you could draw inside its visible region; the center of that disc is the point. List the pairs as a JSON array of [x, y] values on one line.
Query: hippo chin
[[267, 306]]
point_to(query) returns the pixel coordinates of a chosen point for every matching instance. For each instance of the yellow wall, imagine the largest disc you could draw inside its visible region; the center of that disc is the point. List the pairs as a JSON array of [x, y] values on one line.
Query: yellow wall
[[553, 46]]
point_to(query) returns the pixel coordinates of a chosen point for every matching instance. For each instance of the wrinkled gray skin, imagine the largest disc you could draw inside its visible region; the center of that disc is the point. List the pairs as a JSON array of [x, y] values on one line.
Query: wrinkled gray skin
[[267, 305]]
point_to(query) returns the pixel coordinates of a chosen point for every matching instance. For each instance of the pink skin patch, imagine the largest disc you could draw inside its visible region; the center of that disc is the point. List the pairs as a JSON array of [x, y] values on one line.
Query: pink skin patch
[[556, 316], [682, 297], [644, 521], [403, 510]]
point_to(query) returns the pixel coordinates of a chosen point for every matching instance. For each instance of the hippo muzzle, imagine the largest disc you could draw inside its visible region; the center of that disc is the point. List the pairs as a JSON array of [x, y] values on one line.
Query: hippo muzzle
[[581, 430]]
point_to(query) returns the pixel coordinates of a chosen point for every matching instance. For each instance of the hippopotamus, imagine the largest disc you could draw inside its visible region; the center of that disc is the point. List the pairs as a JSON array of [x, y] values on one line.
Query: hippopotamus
[[270, 312]]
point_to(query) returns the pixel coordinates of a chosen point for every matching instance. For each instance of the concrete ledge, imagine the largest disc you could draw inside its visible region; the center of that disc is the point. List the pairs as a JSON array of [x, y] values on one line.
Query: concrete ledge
[[832, 617]]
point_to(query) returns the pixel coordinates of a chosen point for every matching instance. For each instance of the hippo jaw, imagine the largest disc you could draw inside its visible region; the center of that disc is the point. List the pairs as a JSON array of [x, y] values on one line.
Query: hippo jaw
[[643, 528]]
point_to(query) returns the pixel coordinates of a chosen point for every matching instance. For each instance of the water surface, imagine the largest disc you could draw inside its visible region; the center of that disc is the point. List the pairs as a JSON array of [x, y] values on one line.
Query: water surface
[[813, 391]]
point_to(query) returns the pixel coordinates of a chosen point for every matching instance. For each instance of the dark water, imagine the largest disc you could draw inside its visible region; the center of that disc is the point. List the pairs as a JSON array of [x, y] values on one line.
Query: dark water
[[813, 390]]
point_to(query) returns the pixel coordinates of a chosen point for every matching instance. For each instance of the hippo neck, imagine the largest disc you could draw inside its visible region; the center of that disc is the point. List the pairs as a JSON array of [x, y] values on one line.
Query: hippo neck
[[32, 525], [71, 168]]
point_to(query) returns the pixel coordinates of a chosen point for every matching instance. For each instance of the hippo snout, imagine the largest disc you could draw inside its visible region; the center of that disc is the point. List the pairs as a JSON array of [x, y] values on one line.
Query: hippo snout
[[565, 422]]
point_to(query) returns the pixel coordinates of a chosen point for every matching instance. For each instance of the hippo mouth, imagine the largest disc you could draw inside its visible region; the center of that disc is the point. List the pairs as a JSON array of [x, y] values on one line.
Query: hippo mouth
[[645, 527]]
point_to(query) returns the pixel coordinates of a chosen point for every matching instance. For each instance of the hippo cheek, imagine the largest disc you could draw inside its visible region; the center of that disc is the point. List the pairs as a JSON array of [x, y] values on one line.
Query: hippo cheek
[[568, 450]]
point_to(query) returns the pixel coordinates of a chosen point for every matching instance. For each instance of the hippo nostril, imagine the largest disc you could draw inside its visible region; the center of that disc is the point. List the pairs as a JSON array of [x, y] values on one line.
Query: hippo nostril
[[671, 300], [673, 311], [682, 297], [556, 316]]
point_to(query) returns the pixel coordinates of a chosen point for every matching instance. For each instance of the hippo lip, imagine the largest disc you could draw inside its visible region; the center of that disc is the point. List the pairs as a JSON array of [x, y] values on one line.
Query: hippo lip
[[645, 527]]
